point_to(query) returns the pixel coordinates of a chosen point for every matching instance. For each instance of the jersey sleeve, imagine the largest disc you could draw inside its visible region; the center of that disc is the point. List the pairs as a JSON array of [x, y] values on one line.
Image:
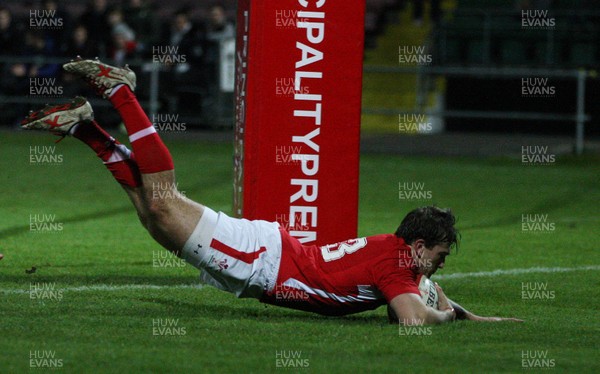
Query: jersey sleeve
[[393, 280]]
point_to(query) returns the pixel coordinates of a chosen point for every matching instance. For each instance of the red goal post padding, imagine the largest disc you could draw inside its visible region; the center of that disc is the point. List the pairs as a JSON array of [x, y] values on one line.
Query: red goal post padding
[[298, 104]]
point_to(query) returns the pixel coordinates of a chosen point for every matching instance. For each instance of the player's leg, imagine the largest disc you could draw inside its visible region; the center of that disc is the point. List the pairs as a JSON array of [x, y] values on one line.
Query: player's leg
[[76, 119], [118, 159], [171, 217], [238, 256]]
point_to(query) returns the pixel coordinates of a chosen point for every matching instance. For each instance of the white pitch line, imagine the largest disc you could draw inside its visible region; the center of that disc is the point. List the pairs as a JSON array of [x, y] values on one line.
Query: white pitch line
[[494, 273], [110, 287], [130, 287]]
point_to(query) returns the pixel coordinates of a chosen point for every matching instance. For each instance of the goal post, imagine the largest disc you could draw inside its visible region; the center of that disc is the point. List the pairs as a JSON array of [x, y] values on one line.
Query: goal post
[[298, 104]]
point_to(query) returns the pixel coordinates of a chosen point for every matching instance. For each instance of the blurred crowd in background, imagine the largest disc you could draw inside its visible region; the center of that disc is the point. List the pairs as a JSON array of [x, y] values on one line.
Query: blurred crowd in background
[[186, 42]]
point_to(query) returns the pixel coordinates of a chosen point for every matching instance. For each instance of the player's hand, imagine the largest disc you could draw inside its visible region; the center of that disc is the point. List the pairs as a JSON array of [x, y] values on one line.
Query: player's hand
[[1, 256], [473, 317], [443, 302]]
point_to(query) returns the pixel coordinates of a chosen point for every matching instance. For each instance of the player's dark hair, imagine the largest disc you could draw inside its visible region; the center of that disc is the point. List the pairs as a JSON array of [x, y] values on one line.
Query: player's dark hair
[[430, 223]]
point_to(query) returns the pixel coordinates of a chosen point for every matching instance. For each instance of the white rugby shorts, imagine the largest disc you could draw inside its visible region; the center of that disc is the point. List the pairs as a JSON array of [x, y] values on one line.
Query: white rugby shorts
[[235, 255]]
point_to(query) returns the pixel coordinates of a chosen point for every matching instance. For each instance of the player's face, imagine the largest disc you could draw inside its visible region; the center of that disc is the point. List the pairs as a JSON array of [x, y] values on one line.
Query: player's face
[[438, 257], [431, 259]]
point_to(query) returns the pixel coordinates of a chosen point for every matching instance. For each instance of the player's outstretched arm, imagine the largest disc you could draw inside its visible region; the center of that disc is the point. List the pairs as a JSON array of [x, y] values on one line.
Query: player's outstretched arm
[[462, 313], [410, 310]]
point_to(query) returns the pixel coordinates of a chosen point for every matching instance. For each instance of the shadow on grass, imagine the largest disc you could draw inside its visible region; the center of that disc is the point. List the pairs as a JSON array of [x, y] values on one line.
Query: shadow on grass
[[231, 309], [264, 313], [101, 214], [91, 216]]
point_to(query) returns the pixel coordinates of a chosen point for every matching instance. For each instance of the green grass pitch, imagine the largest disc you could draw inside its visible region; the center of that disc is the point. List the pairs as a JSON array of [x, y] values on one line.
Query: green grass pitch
[[100, 261]]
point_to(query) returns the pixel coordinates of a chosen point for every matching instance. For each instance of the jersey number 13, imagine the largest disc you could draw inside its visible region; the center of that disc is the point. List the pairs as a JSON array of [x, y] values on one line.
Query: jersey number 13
[[336, 251]]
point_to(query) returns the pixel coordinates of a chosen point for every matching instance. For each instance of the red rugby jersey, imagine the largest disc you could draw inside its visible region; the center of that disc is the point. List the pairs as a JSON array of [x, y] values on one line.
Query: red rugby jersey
[[343, 278]]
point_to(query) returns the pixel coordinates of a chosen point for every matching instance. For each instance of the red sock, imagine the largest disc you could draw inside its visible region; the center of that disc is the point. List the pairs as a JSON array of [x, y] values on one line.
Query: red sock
[[152, 154], [116, 157]]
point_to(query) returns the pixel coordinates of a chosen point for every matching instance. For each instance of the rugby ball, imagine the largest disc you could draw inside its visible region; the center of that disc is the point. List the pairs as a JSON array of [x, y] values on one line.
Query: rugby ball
[[429, 294]]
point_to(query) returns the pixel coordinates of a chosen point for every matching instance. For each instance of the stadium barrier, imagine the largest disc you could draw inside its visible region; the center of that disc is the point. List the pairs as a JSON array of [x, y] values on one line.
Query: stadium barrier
[[579, 118], [542, 37], [151, 88]]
